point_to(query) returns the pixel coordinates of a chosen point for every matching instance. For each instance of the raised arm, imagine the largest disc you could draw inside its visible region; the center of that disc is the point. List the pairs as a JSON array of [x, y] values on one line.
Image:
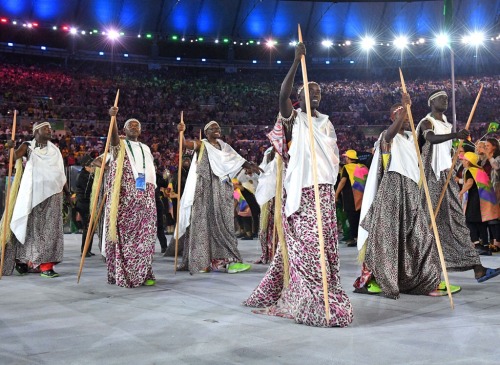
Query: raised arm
[[398, 116], [286, 107], [192, 145], [115, 137]]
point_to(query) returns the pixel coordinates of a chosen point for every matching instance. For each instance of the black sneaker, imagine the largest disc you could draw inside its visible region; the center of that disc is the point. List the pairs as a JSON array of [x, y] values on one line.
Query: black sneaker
[[49, 274], [22, 269]]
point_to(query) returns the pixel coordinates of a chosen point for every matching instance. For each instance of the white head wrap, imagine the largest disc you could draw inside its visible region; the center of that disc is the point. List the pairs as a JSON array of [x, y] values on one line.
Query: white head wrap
[[299, 90], [40, 125], [131, 120], [434, 96], [209, 124]]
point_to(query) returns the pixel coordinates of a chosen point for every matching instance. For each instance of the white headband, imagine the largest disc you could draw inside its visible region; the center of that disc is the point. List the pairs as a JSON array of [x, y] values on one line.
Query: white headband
[[209, 124], [41, 125], [131, 120], [434, 96]]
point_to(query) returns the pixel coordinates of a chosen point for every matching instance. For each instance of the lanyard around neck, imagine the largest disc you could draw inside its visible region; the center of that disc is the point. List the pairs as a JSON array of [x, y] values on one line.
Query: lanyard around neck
[[132, 152]]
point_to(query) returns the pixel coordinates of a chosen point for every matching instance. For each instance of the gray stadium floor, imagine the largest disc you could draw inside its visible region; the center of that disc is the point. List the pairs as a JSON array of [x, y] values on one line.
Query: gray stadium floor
[[199, 320]]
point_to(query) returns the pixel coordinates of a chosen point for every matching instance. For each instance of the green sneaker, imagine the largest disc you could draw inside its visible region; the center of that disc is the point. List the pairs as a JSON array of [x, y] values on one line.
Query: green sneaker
[[49, 274], [373, 287], [441, 290], [150, 282], [238, 267]]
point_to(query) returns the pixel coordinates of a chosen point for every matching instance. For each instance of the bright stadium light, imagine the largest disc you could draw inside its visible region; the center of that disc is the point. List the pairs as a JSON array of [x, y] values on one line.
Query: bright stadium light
[[400, 42], [347, 43], [367, 43], [293, 43], [113, 34], [73, 30], [442, 40], [270, 43], [474, 39], [327, 43]]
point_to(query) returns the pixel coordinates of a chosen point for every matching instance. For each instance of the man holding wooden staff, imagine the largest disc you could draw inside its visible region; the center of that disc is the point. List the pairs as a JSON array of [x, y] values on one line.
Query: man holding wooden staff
[[130, 209], [396, 246], [293, 285], [435, 140], [37, 223], [207, 208]]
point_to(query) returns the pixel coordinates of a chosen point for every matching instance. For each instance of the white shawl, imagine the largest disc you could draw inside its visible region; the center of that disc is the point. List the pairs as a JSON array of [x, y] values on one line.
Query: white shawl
[[136, 162], [43, 177], [403, 160], [225, 163], [441, 152], [299, 170]]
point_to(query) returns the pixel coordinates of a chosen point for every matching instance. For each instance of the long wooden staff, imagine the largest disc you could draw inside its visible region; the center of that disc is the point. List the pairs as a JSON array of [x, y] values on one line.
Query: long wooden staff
[[99, 212], [427, 195], [7, 198], [98, 188], [316, 187], [455, 156], [179, 174]]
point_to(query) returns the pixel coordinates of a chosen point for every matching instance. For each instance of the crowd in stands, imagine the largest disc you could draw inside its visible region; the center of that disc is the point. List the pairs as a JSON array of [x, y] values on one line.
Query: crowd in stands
[[244, 104]]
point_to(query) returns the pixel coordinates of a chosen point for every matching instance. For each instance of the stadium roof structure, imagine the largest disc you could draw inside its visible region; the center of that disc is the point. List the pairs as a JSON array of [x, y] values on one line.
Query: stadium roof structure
[[228, 29]]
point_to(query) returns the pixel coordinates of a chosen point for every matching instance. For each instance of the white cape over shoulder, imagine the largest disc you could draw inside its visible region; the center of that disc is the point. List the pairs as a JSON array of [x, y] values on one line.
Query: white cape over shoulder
[[43, 177], [225, 163]]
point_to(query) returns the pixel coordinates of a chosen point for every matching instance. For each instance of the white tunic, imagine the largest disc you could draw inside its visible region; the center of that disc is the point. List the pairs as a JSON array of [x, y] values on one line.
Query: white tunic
[[299, 171], [441, 152]]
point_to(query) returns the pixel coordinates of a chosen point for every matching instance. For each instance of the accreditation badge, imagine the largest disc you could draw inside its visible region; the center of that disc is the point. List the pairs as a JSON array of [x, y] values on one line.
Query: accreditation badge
[[140, 182]]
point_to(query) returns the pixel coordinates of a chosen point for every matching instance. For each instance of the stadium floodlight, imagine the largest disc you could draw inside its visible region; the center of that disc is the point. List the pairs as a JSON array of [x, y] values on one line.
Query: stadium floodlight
[[367, 43], [113, 34], [327, 43], [73, 30], [442, 40], [293, 43], [421, 40], [400, 42], [347, 43], [270, 43], [474, 39]]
